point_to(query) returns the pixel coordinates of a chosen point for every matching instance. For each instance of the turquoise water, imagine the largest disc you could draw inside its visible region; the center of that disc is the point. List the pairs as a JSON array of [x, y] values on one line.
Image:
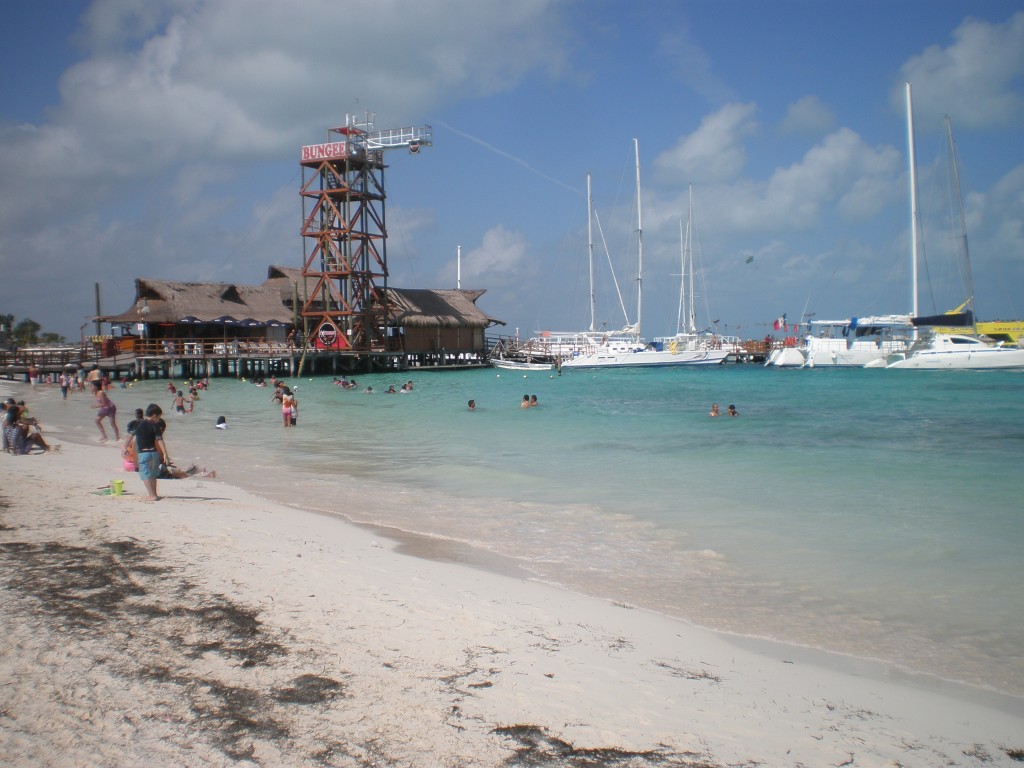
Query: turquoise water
[[876, 513]]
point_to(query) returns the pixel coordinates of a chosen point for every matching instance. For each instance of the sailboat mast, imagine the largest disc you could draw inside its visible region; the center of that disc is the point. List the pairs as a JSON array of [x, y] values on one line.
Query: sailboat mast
[[963, 219], [682, 278], [912, 159], [692, 317], [590, 253], [640, 242]]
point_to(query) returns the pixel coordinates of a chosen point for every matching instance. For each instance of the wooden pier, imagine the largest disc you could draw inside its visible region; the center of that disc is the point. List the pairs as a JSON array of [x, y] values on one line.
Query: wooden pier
[[203, 358]]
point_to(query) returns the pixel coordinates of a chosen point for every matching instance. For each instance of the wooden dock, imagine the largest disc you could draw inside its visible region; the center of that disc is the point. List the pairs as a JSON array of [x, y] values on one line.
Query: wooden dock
[[214, 359]]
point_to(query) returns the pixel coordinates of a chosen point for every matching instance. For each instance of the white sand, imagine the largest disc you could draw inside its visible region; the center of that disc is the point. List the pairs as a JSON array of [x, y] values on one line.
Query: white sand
[[218, 628]]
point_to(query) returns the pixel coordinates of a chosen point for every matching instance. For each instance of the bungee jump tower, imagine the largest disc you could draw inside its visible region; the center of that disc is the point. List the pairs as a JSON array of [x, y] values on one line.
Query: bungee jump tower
[[345, 266]]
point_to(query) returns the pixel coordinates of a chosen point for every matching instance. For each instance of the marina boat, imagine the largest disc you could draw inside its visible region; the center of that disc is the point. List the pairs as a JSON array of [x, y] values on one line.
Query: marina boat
[[857, 342], [865, 341], [521, 365], [955, 351], [626, 348], [948, 351]]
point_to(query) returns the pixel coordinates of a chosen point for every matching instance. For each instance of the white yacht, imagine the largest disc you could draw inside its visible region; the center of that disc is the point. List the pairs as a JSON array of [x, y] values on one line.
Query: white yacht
[[956, 351], [950, 351]]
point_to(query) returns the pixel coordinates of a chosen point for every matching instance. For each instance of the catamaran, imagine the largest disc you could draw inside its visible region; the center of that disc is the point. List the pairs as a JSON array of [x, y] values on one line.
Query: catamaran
[[865, 341], [954, 351]]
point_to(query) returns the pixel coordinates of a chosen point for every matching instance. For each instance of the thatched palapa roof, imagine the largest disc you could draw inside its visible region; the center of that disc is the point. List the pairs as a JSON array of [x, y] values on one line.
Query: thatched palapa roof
[[167, 301], [421, 308]]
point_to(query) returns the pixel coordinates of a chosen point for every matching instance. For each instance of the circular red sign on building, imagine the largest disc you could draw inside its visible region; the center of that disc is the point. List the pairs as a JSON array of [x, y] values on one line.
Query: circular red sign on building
[[328, 333]]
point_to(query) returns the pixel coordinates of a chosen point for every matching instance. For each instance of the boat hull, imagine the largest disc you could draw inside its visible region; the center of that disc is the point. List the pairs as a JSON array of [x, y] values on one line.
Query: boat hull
[[786, 357], [646, 358], [518, 365], [991, 360]]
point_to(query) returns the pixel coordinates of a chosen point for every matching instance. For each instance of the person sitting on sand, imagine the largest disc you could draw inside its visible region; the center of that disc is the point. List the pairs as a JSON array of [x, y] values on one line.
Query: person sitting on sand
[[20, 414], [171, 472], [21, 436]]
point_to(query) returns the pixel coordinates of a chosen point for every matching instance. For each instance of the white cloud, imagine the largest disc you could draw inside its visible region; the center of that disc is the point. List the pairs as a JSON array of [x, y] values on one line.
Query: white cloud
[[839, 171], [502, 253], [715, 151], [973, 79], [808, 115]]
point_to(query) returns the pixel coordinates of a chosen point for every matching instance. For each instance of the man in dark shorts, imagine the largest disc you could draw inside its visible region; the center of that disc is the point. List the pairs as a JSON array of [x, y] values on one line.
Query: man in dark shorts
[[152, 451]]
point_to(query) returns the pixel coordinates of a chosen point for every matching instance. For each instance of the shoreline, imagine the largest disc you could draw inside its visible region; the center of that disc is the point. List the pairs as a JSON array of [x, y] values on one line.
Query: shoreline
[[338, 639]]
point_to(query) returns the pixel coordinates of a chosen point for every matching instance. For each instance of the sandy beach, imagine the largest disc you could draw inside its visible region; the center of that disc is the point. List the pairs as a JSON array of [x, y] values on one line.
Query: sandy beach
[[215, 627]]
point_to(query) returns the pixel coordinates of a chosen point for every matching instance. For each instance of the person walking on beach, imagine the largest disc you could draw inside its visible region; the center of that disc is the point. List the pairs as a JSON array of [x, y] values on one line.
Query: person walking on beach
[[105, 409], [150, 447]]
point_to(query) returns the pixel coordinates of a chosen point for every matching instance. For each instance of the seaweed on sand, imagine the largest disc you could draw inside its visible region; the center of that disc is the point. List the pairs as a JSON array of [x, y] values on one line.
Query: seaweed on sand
[[310, 689], [539, 749], [236, 717]]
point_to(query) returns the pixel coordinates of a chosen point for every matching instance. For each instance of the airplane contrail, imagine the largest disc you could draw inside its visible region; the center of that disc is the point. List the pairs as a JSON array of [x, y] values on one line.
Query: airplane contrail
[[507, 156]]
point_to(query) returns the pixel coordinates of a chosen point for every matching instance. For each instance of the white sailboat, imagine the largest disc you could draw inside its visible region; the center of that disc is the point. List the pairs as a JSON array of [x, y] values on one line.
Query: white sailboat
[[861, 342], [954, 351], [626, 348], [688, 339]]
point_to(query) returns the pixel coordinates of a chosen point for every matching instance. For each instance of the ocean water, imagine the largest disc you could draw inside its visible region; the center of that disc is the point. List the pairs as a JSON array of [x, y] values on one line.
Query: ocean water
[[874, 513]]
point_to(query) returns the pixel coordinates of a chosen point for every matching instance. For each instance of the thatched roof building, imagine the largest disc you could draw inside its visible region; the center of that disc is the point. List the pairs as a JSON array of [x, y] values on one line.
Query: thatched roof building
[[171, 302], [419, 312]]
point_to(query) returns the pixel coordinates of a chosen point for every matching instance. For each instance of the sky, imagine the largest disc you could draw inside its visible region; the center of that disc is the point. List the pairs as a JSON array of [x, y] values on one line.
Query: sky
[[161, 140]]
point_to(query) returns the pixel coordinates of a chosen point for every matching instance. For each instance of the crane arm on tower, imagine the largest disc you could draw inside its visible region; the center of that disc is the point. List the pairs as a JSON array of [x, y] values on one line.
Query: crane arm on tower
[[413, 137]]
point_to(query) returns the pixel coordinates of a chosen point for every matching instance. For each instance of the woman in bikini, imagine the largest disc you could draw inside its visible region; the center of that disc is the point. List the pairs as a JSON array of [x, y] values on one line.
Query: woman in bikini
[[106, 409]]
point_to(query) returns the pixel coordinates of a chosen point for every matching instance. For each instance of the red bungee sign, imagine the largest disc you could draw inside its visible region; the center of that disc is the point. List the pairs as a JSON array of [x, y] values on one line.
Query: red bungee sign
[[333, 150]]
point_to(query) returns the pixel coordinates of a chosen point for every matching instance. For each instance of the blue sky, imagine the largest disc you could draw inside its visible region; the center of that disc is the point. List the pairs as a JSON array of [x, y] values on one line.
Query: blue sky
[[161, 140]]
